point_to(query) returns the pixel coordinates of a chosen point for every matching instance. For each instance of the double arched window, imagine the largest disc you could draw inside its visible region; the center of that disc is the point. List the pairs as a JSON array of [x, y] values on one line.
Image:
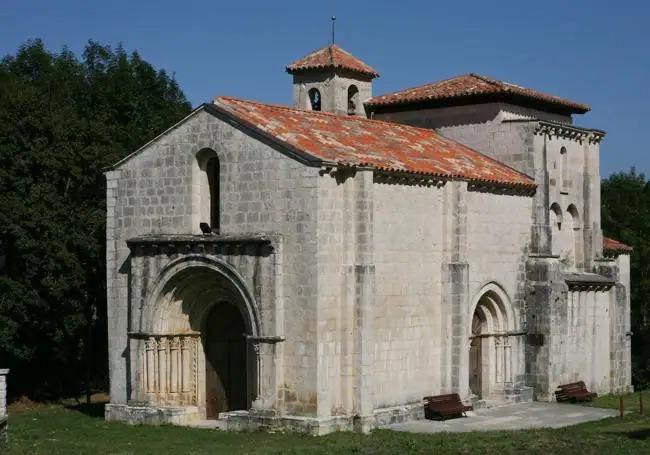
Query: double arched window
[[566, 234]]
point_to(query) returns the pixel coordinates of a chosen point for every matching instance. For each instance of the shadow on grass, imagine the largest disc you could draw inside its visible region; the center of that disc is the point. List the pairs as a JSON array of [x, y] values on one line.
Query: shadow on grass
[[91, 410], [639, 435]]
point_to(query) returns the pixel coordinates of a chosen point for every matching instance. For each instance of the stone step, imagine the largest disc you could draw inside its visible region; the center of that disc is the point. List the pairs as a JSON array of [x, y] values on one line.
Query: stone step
[[506, 397]]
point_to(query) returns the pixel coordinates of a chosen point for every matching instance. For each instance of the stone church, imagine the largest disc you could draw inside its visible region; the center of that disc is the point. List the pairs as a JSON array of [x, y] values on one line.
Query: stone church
[[324, 266]]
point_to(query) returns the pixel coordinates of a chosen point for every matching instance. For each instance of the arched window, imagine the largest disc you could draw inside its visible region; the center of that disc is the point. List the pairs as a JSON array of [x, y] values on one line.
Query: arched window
[[564, 169], [555, 220], [353, 99], [207, 189], [314, 99], [576, 232], [556, 216], [212, 171]]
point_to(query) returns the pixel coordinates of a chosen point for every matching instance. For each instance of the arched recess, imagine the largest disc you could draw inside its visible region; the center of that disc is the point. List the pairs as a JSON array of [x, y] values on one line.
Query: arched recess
[[555, 220], [203, 306], [188, 268], [209, 188], [493, 325], [353, 99], [576, 236]]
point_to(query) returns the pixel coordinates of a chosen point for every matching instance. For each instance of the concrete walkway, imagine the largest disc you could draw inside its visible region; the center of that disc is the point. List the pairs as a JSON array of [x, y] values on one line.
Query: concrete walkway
[[512, 417]]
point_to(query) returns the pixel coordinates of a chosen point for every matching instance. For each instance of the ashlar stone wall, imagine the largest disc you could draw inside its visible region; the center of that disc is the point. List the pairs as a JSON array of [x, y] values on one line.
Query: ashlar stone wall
[[408, 320], [434, 257]]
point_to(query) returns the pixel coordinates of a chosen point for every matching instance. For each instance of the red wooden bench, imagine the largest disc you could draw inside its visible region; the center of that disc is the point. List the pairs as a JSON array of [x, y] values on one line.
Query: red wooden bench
[[575, 391], [443, 406]]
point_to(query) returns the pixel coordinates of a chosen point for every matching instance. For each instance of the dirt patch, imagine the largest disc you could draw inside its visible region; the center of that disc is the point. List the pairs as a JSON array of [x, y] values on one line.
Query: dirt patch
[[25, 404]]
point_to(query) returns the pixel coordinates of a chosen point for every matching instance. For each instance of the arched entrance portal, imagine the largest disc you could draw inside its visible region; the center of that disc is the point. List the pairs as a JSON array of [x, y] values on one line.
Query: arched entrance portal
[[490, 352], [196, 328], [225, 360]]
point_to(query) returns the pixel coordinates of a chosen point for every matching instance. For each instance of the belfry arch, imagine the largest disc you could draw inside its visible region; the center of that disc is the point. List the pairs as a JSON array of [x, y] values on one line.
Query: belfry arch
[[492, 330], [199, 318]]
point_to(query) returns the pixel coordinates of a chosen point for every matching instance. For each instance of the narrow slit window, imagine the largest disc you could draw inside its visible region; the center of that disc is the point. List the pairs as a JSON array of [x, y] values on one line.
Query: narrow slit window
[[564, 174], [212, 169]]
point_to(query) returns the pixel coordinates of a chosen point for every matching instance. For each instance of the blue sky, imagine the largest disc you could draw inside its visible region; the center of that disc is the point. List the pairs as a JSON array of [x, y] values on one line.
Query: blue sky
[[596, 51]]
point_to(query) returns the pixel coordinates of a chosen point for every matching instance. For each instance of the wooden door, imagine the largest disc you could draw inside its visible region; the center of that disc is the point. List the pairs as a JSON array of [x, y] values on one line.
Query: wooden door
[[225, 363]]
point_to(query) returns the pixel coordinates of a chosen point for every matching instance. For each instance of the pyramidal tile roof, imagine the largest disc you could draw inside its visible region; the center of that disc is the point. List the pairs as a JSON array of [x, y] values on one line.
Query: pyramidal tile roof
[[360, 142], [476, 87], [331, 56]]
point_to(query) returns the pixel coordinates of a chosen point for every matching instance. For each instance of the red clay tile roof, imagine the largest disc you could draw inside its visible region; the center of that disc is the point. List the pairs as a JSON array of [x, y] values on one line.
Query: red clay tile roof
[[616, 246], [356, 141], [474, 86], [332, 56]]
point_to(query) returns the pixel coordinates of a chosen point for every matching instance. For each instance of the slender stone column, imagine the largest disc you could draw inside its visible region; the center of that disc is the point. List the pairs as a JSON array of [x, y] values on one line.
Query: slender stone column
[[498, 343], [174, 364], [186, 361], [162, 366], [507, 373], [150, 365]]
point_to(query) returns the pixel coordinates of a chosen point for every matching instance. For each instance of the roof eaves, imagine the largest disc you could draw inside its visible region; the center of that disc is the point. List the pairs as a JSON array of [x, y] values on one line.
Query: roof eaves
[[506, 89], [293, 70], [528, 188]]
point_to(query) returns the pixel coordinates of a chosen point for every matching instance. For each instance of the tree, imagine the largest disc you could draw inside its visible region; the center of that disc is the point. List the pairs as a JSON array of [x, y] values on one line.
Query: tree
[[62, 121], [626, 217]]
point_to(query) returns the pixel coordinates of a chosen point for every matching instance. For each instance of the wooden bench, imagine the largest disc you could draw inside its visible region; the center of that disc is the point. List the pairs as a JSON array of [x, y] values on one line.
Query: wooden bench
[[443, 406], [575, 391]]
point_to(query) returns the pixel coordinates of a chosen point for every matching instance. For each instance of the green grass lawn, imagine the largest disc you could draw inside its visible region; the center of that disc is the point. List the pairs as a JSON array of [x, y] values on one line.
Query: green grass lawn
[[59, 429], [630, 402]]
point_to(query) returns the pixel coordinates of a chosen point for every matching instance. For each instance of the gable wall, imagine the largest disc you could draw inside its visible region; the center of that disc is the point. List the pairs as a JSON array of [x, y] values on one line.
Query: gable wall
[[156, 191]]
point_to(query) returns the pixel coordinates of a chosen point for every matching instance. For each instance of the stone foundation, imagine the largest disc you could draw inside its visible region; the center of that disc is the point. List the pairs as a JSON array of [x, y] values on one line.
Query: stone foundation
[[242, 421], [152, 415], [252, 421]]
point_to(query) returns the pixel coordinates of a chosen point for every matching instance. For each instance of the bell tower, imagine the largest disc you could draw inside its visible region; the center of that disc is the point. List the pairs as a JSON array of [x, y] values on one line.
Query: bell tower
[[331, 79]]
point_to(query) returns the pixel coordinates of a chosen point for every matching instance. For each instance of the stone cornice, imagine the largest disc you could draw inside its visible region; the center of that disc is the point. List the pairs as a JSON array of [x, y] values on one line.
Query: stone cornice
[[209, 243], [168, 335], [609, 254], [566, 131], [588, 282], [390, 177]]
